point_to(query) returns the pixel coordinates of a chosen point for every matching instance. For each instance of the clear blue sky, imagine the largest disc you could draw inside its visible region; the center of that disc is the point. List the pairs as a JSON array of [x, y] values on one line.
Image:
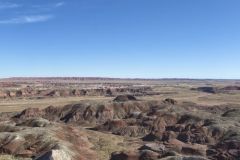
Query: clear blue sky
[[120, 38]]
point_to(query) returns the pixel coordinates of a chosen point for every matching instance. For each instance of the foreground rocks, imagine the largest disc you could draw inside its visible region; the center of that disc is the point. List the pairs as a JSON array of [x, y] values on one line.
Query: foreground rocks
[[142, 130], [55, 155]]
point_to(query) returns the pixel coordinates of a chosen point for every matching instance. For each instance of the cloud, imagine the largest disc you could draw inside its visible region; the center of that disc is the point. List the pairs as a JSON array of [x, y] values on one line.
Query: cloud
[[27, 19], [29, 13], [59, 4], [8, 5]]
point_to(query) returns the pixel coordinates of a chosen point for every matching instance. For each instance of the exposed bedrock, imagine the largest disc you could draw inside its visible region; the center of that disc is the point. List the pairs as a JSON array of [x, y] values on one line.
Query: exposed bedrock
[[159, 130]]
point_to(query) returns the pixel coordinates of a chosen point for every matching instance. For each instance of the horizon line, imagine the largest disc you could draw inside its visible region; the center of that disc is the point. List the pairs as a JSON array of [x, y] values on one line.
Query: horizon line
[[123, 78]]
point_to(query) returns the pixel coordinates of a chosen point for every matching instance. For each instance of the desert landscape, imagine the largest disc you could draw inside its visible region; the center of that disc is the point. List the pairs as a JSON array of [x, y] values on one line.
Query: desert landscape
[[119, 80], [75, 118]]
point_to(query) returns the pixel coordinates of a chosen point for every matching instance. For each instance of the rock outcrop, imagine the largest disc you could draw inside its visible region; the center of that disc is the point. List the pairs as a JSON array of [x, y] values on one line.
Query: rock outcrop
[[124, 98], [155, 129]]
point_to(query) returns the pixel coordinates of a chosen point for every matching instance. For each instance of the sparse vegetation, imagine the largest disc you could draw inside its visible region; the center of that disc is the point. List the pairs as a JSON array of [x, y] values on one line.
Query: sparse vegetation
[[155, 119]]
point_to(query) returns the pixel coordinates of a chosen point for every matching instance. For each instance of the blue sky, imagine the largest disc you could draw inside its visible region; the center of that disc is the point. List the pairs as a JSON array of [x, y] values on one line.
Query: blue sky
[[120, 38]]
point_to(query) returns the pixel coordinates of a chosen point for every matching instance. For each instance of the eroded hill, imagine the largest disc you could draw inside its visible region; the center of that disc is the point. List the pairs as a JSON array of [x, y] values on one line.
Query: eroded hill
[[123, 130]]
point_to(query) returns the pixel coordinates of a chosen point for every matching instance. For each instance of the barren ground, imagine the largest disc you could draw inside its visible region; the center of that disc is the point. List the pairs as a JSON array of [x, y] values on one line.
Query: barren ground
[[79, 118]]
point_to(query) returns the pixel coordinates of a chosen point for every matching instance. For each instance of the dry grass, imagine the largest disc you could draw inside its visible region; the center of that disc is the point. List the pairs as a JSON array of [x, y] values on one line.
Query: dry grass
[[172, 89], [9, 157], [12, 105], [180, 94], [184, 93], [105, 144]]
